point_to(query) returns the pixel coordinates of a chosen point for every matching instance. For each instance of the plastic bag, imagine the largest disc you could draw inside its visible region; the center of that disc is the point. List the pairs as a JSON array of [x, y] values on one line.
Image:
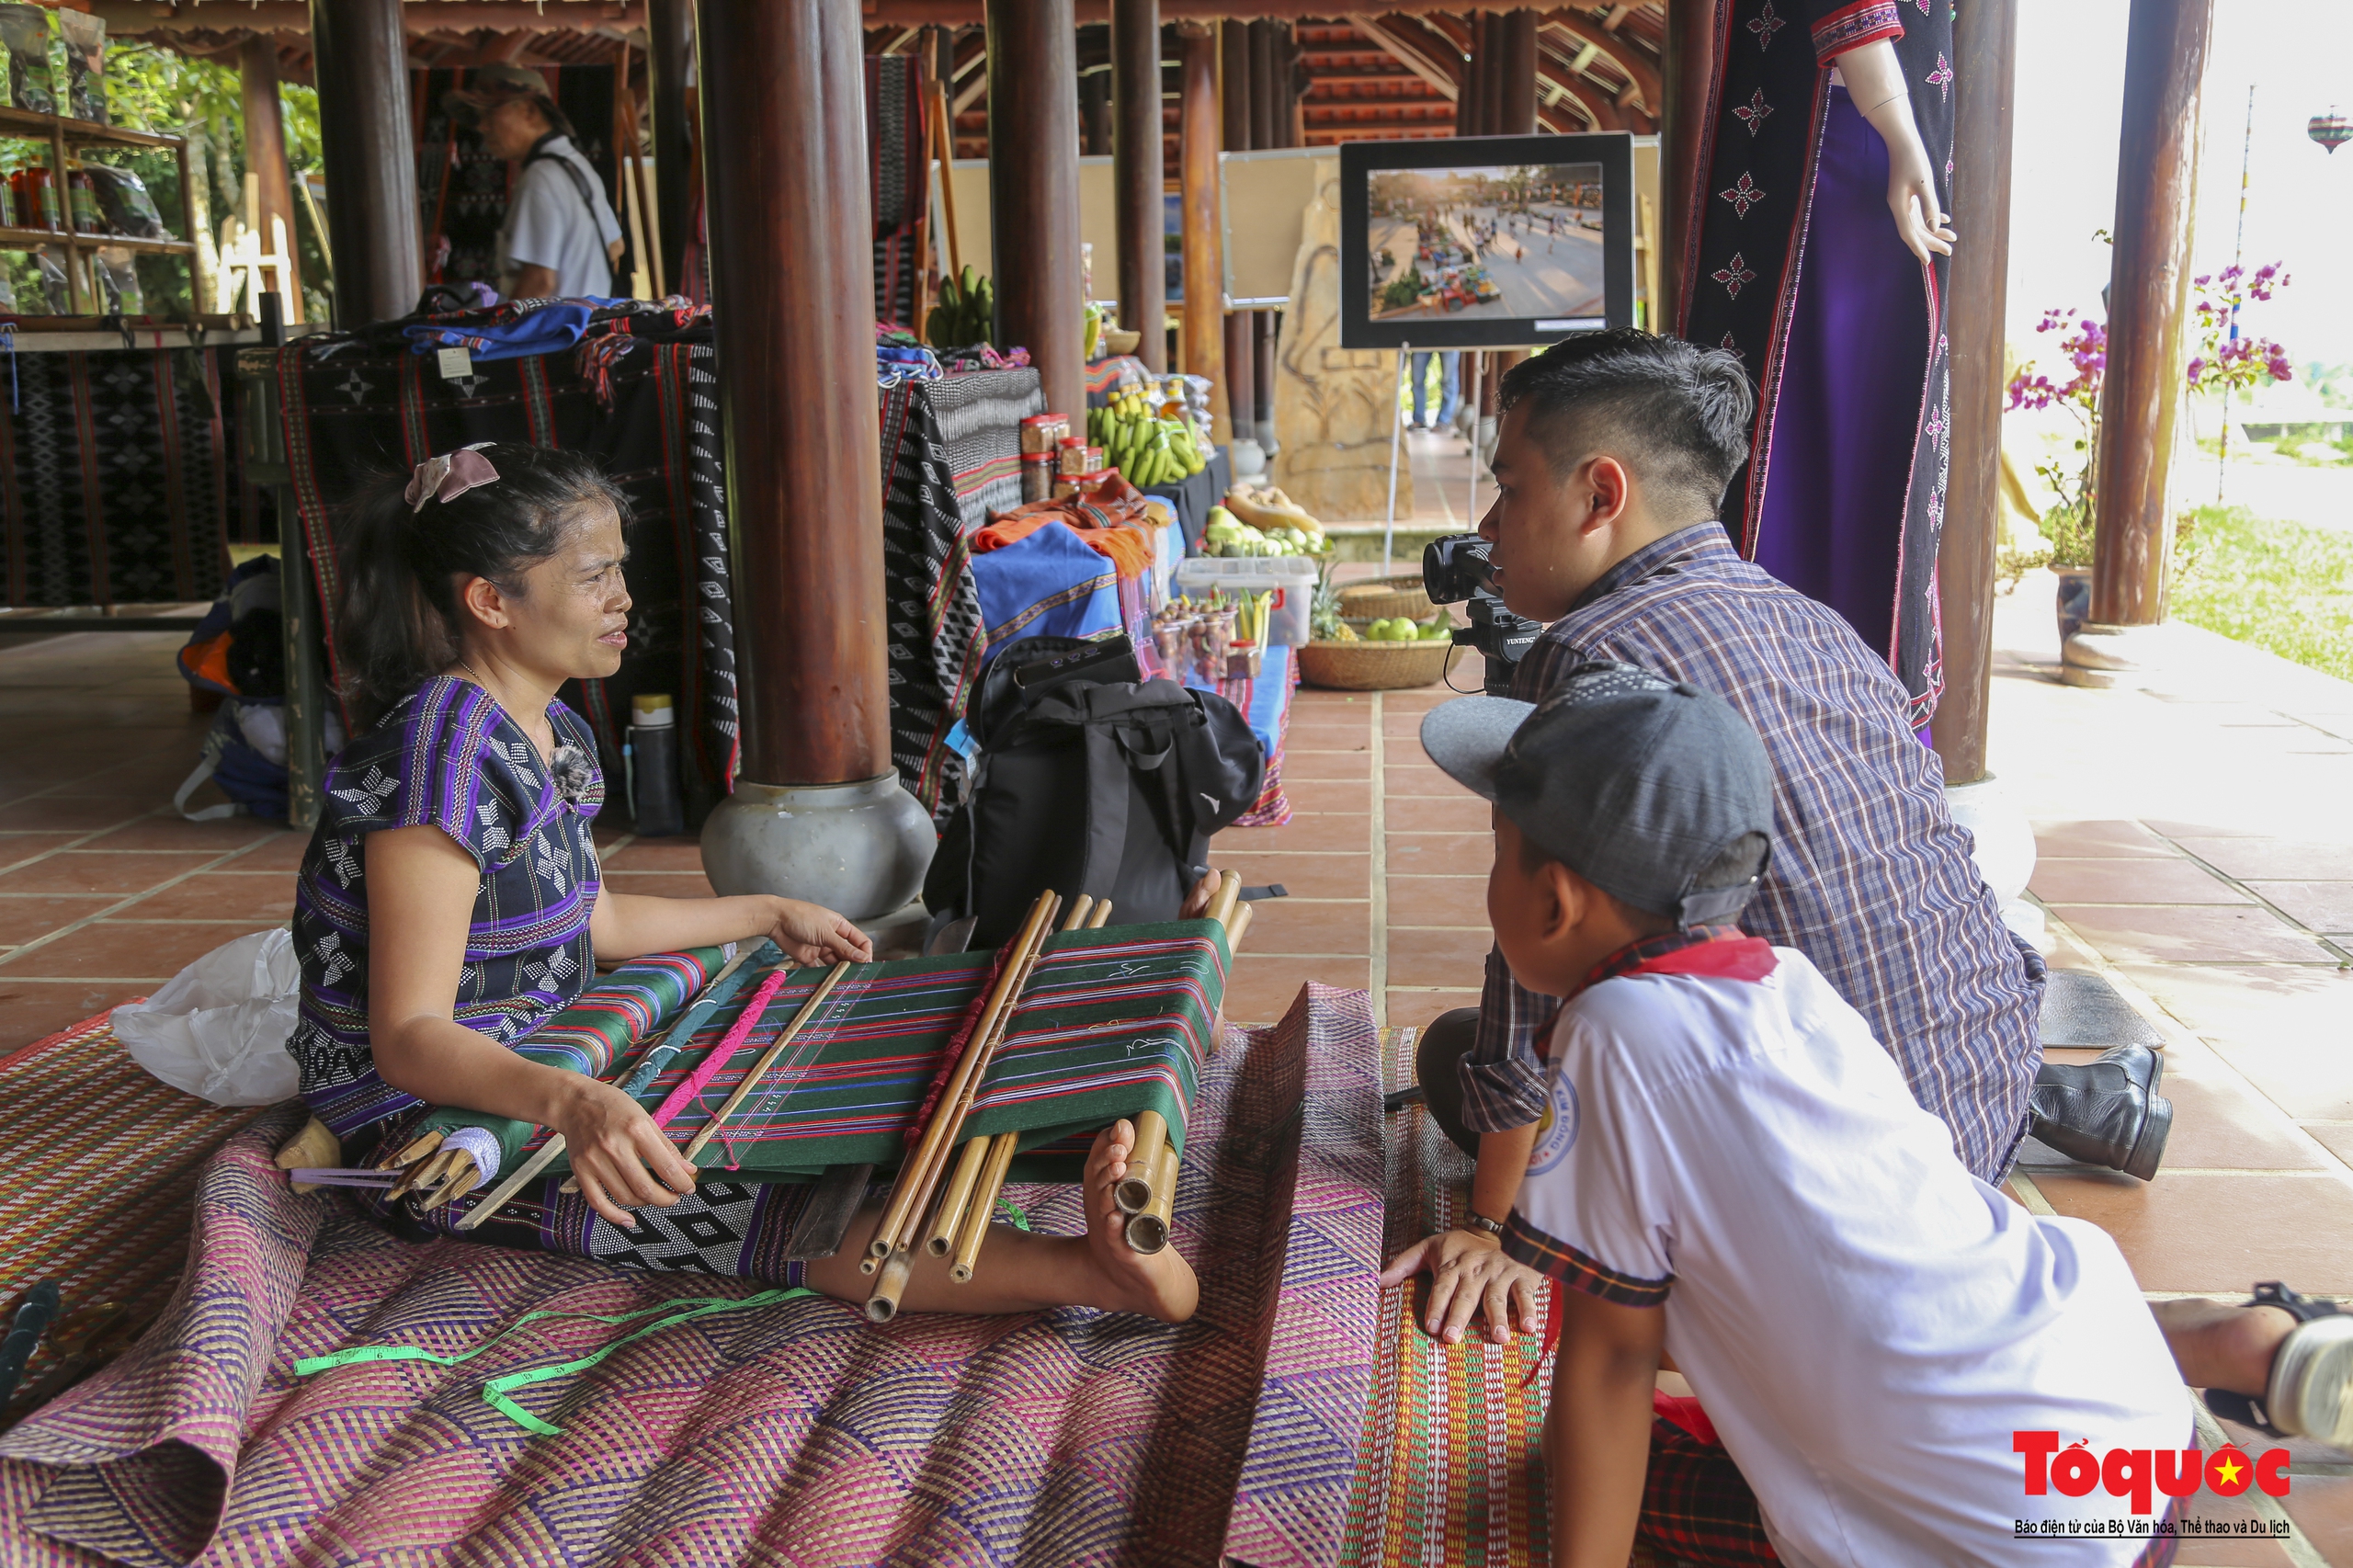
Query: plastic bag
[[219, 1027], [24, 31], [85, 64]]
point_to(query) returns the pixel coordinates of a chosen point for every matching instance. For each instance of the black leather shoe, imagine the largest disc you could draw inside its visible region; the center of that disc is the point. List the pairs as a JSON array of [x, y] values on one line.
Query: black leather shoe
[[2107, 1112]]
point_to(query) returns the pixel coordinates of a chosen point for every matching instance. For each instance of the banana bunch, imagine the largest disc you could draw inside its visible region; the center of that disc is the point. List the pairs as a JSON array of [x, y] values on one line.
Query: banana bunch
[[965, 314], [1147, 448]]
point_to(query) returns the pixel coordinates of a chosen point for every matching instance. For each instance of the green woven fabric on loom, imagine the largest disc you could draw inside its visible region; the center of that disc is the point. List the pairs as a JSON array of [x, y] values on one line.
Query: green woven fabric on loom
[[1113, 1023]]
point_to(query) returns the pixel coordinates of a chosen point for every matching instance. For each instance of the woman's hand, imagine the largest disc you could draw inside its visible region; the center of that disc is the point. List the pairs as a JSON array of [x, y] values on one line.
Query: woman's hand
[[812, 934], [623, 1160]]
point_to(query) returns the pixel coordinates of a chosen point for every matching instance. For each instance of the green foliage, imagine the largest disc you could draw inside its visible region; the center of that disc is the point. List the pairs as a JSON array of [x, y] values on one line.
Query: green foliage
[[1403, 290], [2280, 585]]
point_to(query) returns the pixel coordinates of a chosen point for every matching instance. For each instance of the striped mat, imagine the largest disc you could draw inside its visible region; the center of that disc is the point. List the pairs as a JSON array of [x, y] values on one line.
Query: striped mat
[[1453, 1469], [105, 1159]]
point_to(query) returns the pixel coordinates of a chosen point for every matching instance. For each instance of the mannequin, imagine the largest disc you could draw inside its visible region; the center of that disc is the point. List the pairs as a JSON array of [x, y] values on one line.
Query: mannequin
[[1836, 310]]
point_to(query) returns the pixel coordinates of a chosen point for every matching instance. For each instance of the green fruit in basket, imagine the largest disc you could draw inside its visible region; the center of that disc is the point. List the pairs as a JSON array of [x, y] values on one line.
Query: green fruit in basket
[[1438, 634]]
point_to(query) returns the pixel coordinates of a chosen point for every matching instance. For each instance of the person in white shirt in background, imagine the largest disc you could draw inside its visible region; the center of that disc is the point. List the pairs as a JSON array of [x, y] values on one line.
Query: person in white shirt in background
[[1731, 1172], [559, 240]]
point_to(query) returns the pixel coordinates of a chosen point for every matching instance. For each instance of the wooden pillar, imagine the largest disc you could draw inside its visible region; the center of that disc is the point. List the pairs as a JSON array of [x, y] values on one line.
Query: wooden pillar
[[1687, 66], [1517, 63], [2156, 181], [360, 64], [1094, 114], [265, 158], [1984, 45], [784, 157], [1033, 192], [1265, 341], [1204, 323], [1241, 337], [669, 61], [1266, 63], [1139, 178]]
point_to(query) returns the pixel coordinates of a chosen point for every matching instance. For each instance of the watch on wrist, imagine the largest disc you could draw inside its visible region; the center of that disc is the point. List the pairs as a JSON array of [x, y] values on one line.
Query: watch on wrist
[[1483, 1225]]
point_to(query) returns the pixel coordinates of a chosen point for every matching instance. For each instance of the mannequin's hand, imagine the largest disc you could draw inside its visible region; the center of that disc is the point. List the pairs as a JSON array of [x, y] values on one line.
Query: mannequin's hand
[[1912, 195]]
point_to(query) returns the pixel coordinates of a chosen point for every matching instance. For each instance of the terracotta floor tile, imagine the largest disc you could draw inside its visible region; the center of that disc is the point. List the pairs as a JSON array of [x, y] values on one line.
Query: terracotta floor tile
[[1261, 988], [2322, 1507], [2180, 830], [1305, 876], [2289, 1030], [1418, 1007], [16, 848], [1421, 778], [656, 854], [662, 884], [2218, 1232], [1441, 853], [2226, 1552], [84, 813], [1285, 926], [2171, 881], [280, 851], [1302, 833], [1462, 812], [2275, 860], [1329, 795], [1304, 737], [1302, 766], [1446, 958], [264, 896], [2173, 935], [174, 833], [2218, 1123], [2334, 1136], [2085, 840], [22, 919], [34, 1009], [78, 871], [2319, 907], [151, 952], [1438, 900]]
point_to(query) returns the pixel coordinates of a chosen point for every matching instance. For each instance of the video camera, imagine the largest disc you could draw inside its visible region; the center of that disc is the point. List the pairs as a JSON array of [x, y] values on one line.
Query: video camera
[[1460, 567]]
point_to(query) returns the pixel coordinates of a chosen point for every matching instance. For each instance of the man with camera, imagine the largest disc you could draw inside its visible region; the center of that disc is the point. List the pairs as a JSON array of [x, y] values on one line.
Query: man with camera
[[1613, 453]]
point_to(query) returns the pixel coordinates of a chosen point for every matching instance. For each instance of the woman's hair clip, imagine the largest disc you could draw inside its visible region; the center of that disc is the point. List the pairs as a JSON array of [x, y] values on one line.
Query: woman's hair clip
[[448, 476]]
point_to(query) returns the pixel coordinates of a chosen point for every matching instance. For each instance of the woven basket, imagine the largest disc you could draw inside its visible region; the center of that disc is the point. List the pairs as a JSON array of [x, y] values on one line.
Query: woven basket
[[1372, 666], [1384, 598]]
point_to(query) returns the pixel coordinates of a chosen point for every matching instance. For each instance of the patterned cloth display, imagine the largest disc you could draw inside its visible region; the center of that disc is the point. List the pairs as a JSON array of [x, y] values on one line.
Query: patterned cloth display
[[800, 1432], [1757, 222], [118, 476], [639, 394], [1114, 1022], [449, 757], [899, 170]]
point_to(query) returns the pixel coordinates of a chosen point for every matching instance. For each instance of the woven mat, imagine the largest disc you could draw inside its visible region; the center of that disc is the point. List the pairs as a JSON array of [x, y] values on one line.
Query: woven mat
[[1452, 1468], [105, 1160]]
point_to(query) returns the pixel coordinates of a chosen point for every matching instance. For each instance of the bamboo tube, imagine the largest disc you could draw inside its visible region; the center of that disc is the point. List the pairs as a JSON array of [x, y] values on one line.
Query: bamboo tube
[[907, 1193], [959, 1192], [506, 1190], [790, 1032], [424, 1172], [1148, 1231], [315, 1147], [1076, 918], [1101, 917], [1237, 927], [1229, 894], [884, 1304], [454, 1188], [958, 1108], [984, 1208], [1133, 1193], [416, 1149]]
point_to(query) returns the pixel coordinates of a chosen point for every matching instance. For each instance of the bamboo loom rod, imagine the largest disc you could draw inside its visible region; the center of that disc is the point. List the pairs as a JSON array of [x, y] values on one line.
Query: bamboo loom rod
[[1148, 1231], [904, 1191], [1229, 894], [976, 1221], [1133, 1193], [884, 1304], [789, 1033], [954, 1112]]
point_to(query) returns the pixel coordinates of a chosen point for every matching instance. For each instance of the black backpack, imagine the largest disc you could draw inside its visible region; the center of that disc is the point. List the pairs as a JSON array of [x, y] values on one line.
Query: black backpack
[[1105, 787]]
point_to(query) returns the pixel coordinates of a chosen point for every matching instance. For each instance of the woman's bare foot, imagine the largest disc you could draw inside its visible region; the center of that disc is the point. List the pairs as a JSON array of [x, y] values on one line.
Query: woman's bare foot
[[1160, 1284]]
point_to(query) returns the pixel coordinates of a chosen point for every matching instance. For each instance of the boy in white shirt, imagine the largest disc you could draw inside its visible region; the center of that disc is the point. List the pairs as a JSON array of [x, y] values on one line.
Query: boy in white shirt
[[1731, 1173]]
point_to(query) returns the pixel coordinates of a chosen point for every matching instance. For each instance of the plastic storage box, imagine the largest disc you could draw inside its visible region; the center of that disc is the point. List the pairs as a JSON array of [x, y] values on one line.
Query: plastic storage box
[[1290, 577]]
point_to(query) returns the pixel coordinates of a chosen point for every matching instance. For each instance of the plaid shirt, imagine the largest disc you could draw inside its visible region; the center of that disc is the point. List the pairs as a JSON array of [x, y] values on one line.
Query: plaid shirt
[[1871, 878]]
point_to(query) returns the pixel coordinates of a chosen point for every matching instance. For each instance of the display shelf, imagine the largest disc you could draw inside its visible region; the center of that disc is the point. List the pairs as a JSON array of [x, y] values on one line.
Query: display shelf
[[81, 132], [62, 131], [37, 239]]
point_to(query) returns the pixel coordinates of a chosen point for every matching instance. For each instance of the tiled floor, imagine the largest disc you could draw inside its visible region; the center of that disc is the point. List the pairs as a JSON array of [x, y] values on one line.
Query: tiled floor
[[2196, 847]]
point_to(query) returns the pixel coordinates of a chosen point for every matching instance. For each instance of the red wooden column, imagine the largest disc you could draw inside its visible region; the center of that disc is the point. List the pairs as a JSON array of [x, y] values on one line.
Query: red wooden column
[[1266, 83], [1138, 176], [1984, 44], [266, 156], [669, 55], [1033, 191], [369, 154], [2165, 60], [1233, 111], [1517, 63], [1203, 332], [1687, 66]]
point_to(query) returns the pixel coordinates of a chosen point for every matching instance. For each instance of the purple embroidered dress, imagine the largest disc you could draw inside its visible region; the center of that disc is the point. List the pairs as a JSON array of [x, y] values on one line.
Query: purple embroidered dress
[[1794, 265]]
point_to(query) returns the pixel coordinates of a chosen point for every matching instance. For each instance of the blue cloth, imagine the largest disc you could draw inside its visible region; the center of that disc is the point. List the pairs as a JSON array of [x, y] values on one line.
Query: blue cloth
[[1053, 584], [544, 330], [1871, 877], [1270, 694], [1449, 384]]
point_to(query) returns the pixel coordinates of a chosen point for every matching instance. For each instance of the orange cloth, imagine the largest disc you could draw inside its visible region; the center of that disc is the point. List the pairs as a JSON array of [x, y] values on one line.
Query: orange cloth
[[1113, 521]]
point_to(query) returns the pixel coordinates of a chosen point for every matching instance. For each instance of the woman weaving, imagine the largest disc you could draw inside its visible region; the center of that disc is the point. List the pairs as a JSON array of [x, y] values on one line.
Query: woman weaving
[[450, 902]]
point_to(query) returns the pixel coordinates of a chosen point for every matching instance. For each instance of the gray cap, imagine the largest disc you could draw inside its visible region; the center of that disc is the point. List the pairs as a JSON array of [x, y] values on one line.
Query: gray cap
[[1636, 783]]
